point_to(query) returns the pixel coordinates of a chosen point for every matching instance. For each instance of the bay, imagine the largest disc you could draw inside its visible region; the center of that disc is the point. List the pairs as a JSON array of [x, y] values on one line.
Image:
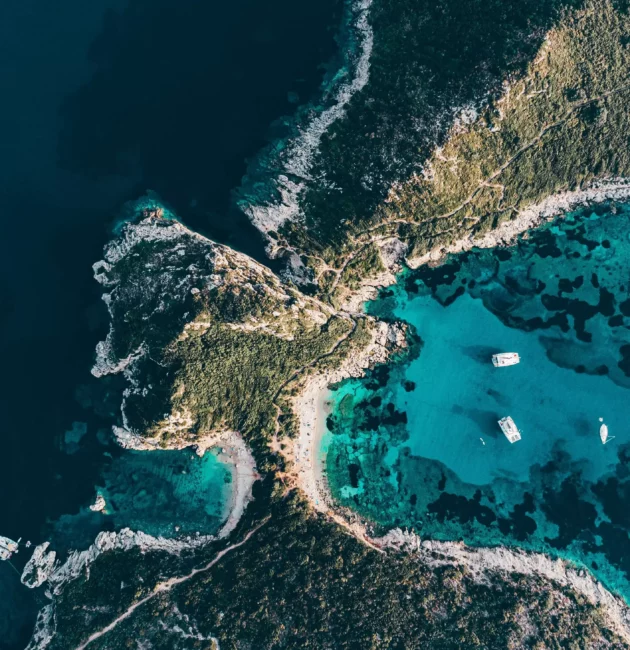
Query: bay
[[417, 442]]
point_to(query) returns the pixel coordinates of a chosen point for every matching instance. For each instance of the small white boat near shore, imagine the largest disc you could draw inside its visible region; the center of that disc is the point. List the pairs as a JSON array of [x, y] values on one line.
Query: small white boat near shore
[[7, 548], [504, 359], [510, 429]]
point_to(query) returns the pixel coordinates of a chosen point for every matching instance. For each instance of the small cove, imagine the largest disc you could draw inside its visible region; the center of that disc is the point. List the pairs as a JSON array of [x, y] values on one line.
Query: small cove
[[416, 443], [162, 493]]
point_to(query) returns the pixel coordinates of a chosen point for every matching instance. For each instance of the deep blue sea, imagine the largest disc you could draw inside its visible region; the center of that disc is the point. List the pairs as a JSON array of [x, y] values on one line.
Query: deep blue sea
[[101, 101], [417, 444]]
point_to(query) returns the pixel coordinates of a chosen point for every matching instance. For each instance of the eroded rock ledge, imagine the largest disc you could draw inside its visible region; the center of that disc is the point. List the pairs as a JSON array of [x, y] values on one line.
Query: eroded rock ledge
[[485, 563]]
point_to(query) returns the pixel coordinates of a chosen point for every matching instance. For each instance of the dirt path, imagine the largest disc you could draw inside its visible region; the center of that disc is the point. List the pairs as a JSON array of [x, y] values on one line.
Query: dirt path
[[488, 182], [165, 586]]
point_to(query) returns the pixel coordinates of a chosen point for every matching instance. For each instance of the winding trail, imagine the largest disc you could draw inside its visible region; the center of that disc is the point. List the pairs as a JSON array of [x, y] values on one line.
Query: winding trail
[[487, 182], [167, 585]]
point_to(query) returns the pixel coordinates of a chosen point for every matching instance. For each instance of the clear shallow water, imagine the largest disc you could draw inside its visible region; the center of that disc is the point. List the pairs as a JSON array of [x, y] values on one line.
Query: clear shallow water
[[155, 492], [74, 155], [407, 443]]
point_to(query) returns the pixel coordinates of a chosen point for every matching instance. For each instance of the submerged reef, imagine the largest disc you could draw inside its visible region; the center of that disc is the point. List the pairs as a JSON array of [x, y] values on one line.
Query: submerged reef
[[448, 123], [434, 459]]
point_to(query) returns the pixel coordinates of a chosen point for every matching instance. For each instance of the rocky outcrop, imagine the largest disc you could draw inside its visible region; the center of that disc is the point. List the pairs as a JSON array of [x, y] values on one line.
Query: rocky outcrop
[[99, 505], [39, 568], [287, 168], [165, 285], [485, 563], [613, 189], [44, 629], [79, 562]]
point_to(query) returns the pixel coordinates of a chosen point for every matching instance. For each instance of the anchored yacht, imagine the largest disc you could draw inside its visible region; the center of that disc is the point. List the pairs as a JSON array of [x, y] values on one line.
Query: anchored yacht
[[509, 429], [603, 433], [504, 359], [7, 548]]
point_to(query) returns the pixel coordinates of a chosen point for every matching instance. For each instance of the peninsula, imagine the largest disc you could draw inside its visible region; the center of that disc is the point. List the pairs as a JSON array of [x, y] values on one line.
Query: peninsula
[[449, 127]]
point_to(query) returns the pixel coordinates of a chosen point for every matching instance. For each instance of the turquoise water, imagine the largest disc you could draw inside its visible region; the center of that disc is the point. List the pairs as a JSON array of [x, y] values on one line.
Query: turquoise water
[[168, 493], [416, 443]]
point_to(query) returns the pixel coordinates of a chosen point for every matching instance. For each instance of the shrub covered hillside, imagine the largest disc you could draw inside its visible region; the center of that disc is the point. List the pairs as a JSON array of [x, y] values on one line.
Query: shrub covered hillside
[[205, 335], [559, 122], [301, 582], [430, 60]]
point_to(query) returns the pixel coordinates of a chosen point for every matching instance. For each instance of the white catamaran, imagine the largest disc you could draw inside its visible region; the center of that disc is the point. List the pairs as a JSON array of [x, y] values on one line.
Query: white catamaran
[[603, 433], [7, 548], [504, 359], [509, 429]]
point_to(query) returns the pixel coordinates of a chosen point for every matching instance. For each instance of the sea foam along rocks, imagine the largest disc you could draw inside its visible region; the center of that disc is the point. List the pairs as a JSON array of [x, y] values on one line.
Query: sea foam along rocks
[[288, 167]]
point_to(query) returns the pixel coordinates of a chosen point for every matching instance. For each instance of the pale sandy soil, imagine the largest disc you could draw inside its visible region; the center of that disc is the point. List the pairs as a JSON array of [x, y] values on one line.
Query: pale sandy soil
[[311, 406], [306, 469], [236, 453]]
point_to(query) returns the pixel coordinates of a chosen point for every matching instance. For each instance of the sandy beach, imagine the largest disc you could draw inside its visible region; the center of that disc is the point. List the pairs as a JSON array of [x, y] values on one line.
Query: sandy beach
[[233, 451], [236, 454], [310, 466], [311, 406]]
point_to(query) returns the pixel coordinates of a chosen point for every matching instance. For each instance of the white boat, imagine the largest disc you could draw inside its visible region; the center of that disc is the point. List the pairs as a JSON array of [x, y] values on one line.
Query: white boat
[[509, 429], [7, 548], [603, 434], [504, 359]]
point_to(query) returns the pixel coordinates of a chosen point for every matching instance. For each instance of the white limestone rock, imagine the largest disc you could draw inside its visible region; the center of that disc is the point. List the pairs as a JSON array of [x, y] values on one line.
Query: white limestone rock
[[39, 567]]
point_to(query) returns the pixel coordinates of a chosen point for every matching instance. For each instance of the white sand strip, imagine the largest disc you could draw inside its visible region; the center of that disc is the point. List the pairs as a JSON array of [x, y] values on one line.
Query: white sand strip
[[310, 405]]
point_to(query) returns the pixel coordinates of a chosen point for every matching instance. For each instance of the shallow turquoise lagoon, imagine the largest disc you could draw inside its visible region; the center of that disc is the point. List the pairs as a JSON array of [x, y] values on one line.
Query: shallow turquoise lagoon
[[168, 493], [417, 444], [460, 395]]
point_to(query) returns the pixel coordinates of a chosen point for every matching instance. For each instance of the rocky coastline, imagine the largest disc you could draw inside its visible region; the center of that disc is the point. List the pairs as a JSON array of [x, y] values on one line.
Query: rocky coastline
[[309, 408]]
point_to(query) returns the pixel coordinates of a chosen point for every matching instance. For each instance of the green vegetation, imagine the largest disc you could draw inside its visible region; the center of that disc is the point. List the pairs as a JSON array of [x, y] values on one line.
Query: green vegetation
[[365, 264], [216, 335], [431, 59], [559, 123], [561, 127], [301, 582], [221, 343], [229, 377]]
